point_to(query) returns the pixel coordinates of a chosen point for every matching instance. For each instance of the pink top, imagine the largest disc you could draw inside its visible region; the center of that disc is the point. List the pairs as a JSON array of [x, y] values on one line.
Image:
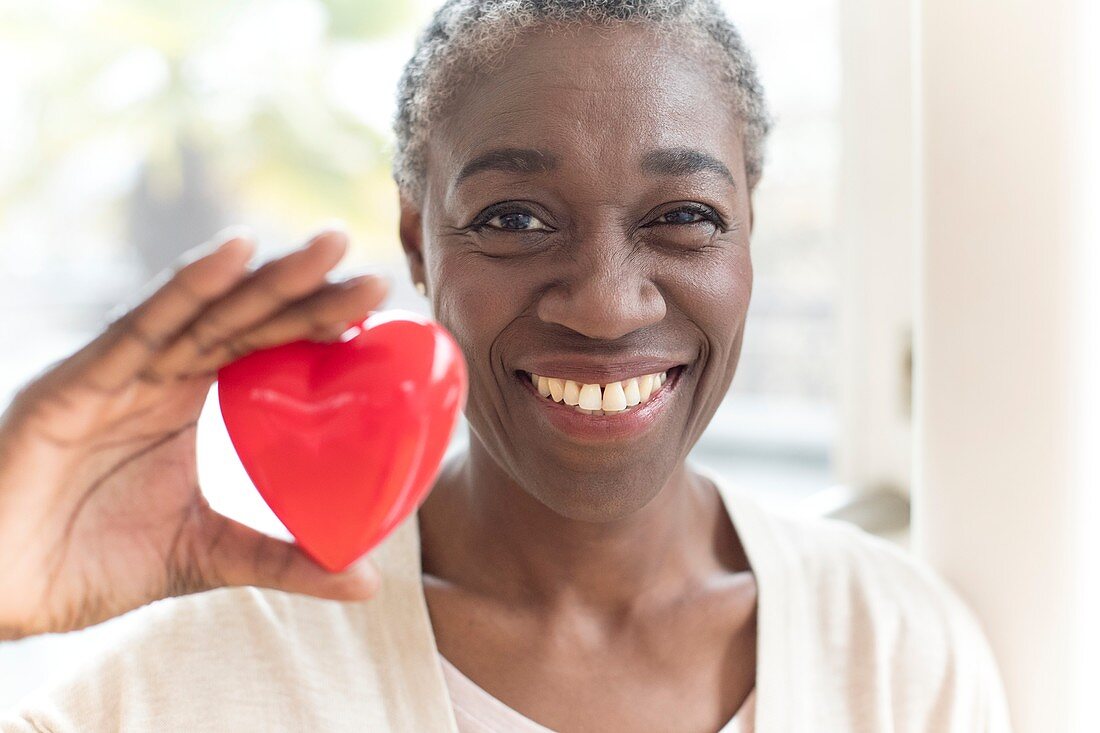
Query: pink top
[[479, 712]]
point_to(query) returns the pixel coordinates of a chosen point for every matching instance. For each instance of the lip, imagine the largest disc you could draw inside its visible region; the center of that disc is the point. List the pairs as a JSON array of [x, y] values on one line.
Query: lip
[[603, 428]]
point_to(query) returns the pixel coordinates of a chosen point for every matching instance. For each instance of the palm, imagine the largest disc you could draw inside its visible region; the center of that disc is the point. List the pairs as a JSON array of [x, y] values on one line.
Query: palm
[[100, 506], [125, 474]]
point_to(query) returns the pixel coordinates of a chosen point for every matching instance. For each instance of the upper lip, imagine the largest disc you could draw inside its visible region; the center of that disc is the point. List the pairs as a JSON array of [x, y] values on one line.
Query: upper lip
[[588, 369]]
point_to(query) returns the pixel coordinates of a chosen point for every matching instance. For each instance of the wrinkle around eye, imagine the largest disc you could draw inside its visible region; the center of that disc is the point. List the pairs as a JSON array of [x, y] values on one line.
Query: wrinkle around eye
[[499, 244], [693, 239]]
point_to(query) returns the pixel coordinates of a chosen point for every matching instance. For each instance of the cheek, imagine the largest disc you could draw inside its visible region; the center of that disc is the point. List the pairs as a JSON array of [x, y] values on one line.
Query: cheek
[[737, 289], [716, 293], [720, 299], [474, 304]]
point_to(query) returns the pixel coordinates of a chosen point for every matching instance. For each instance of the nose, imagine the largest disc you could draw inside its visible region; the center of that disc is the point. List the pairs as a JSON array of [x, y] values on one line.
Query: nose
[[605, 292]]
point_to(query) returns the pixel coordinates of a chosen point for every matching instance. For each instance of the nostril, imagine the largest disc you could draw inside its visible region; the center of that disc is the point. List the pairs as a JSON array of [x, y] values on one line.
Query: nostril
[[603, 309]]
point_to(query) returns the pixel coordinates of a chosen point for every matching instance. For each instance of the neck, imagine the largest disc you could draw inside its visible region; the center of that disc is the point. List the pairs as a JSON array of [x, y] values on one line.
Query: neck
[[482, 532]]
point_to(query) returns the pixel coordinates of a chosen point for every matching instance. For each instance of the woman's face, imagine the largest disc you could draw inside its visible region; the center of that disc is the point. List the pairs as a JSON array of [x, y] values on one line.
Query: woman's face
[[609, 240]]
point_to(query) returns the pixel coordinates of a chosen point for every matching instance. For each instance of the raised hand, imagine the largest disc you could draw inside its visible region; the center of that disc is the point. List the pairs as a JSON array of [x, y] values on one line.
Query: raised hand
[[100, 508]]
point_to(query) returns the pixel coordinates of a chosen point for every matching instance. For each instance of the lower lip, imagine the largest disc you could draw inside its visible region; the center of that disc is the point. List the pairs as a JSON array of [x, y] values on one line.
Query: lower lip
[[608, 427]]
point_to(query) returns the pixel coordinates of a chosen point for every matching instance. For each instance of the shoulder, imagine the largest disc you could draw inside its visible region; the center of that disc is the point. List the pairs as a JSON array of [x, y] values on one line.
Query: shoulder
[[839, 567], [883, 619], [229, 648], [860, 571], [863, 575]]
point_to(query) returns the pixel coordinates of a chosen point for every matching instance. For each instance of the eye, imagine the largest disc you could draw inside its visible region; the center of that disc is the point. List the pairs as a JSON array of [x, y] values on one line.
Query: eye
[[509, 220], [690, 214], [515, 221], [681, 216]]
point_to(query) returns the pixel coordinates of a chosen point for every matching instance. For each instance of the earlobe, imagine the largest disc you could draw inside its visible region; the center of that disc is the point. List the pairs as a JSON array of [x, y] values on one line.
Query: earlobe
[[410, 232]]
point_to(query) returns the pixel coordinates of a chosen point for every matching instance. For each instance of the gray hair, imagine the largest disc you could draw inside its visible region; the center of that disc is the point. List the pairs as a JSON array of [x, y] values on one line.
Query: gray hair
[[467, 35]]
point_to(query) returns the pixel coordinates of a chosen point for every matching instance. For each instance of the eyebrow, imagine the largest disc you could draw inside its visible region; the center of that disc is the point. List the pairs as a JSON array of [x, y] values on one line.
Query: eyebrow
[[663, 161], [684, 162], [509, 160]]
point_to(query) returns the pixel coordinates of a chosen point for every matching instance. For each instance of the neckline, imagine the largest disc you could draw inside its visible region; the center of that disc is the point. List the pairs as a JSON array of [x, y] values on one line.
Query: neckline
[[750, 522], [506, 717]]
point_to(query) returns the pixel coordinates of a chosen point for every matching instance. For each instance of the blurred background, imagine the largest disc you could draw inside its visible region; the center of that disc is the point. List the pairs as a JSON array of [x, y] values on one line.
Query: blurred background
[[896, 270], [135, 129]]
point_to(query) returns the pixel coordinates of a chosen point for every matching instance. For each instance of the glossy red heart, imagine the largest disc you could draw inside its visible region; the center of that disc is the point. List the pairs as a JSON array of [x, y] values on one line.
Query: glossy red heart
[[343, 440]]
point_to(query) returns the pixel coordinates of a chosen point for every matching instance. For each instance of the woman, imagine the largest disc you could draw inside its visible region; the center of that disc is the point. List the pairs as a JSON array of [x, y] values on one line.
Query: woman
[[575, 189]]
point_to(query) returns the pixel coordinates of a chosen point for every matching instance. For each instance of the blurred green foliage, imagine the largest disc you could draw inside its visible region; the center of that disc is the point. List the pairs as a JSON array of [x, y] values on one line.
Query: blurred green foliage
[[255, 87], [358, 19]]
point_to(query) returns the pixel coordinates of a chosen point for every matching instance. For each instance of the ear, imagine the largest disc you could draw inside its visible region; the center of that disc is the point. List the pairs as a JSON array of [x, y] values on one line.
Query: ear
[[411, 233]]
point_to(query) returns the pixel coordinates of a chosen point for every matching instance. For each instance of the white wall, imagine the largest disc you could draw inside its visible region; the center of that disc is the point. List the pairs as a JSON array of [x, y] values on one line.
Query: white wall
[[878, 237], [1007, 305], [1086, 289]]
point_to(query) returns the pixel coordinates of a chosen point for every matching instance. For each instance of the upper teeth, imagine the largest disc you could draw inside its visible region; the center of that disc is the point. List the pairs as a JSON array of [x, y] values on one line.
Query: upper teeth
[[611, 397]]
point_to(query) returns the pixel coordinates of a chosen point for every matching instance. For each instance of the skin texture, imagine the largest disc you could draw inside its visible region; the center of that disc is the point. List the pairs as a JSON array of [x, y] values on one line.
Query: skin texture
[[591, 586], [100, 506]]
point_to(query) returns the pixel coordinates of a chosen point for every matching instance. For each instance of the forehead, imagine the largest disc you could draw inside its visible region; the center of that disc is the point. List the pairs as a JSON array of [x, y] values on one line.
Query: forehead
[[598, 97]]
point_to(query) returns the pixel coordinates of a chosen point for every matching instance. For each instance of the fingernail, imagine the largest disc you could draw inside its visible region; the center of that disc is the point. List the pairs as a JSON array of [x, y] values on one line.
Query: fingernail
[[360, 271], [332, 226], [230, 235], [367, 277], [328, 240], [216, 242], [234, 231]]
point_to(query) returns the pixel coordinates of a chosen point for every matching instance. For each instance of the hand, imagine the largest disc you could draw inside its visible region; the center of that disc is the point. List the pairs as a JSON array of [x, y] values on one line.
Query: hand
[[100, 508]]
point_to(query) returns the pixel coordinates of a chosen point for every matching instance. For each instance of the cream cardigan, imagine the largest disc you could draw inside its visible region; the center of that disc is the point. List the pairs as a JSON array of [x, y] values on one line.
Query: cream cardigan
[[476, 711], [853, 635]]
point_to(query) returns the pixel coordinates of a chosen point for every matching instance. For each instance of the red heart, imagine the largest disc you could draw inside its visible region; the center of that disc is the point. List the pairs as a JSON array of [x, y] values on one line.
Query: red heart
[[343, 440]]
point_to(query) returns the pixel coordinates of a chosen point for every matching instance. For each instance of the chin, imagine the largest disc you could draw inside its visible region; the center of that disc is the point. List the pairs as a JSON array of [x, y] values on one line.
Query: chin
[[598, 497]]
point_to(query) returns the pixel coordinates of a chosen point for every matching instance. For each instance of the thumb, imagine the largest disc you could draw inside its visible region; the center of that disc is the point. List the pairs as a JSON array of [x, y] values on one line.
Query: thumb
[[239, 555]]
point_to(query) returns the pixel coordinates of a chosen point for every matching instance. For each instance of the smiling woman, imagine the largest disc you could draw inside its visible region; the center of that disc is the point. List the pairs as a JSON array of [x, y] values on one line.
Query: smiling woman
[[576, 185], [596, 277]]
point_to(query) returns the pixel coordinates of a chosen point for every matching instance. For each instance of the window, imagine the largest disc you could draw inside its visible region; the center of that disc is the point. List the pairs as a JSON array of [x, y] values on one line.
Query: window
[[134, 131], [776, 429]]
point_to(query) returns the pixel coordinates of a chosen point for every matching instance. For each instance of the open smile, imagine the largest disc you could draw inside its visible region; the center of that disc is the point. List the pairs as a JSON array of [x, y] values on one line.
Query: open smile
[[602, 411]]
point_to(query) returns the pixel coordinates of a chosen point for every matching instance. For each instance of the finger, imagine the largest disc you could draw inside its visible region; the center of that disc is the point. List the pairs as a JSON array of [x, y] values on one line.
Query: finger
[[131, 341], [323, 316], [239, 555], [265, 292]]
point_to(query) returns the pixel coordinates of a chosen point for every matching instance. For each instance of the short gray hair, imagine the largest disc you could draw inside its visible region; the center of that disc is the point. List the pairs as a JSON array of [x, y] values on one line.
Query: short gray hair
[[467, 35]]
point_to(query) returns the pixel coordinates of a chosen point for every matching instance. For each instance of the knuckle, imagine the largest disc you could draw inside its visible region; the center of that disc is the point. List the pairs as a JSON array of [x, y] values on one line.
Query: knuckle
[[238, 346], [207, 333], [313, 320], [128, 326], [152, 376], [35, 408], [276, 292]]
